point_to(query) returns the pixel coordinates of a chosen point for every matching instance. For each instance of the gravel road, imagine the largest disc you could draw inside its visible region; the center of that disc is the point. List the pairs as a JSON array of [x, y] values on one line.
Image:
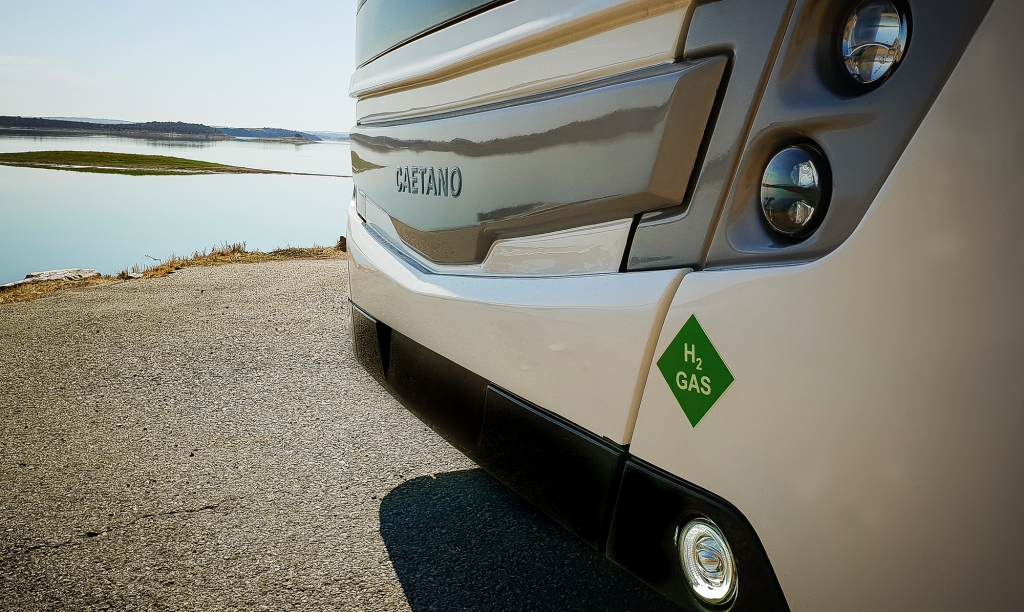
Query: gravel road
[[206, 441]]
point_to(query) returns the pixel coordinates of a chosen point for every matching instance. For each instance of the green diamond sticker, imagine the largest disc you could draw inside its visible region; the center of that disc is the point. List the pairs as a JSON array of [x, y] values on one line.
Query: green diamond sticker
[[694, 371]]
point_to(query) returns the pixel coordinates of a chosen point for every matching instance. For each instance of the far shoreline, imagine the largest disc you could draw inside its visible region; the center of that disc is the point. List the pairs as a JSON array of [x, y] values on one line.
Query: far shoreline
[[73, 133], [155, 130], [65, 133]]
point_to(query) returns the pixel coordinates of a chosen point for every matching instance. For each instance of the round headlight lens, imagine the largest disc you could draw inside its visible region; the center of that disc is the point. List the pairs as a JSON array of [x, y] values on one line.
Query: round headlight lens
[[874, 40], [793, 192], [707, 561]]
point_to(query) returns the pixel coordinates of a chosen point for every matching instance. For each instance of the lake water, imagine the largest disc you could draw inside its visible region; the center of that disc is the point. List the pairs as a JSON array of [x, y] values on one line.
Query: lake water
[[52, 219]]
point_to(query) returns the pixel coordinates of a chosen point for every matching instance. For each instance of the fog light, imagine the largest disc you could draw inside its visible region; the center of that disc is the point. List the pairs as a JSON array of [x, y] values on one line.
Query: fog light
[[874, 40], [794, 191], [707, 561]]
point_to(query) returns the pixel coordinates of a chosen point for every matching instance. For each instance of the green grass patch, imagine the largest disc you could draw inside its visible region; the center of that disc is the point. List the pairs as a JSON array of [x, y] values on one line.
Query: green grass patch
[[119, 163]]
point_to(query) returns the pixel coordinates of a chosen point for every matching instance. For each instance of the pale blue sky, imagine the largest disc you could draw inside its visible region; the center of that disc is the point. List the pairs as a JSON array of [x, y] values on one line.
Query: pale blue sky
[[241, 63]]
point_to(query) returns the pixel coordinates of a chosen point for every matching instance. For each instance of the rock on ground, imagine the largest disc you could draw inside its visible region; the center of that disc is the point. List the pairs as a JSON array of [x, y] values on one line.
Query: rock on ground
[[205, 441], [69, 274]]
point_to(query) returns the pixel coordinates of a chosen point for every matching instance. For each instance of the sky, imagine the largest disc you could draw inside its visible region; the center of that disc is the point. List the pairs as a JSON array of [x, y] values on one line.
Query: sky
[[234, 63]]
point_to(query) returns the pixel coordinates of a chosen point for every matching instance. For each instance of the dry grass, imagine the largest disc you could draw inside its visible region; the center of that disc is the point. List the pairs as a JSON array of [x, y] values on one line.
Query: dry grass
[[235, 253], [26, 293], [217, 256]]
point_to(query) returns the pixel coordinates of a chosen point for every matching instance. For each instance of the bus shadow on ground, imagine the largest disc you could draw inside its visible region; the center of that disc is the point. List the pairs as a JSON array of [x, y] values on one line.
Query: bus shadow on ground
[[462, 541]]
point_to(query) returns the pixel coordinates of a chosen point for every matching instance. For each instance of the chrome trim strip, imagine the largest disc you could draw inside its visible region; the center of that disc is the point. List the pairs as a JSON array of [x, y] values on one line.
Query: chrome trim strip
[[568, 90]]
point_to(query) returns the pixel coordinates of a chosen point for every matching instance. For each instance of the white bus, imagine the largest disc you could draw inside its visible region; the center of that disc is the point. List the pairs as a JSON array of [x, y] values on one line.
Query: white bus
[[733, 289]]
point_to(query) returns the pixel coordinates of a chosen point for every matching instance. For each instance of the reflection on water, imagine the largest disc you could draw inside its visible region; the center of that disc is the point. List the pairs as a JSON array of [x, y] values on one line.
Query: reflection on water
[[57, 219]]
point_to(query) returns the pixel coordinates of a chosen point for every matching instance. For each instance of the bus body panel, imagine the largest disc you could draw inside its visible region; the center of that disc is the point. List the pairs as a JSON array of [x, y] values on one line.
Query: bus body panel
[[873, 433], [577, 345]]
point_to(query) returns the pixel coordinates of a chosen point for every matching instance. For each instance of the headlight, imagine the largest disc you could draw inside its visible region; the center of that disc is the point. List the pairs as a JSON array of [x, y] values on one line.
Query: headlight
[[794, 191], [873, 41], [707, 561]]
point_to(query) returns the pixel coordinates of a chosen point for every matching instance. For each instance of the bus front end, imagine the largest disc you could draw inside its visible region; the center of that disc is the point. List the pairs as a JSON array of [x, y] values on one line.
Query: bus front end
[[730, 289]]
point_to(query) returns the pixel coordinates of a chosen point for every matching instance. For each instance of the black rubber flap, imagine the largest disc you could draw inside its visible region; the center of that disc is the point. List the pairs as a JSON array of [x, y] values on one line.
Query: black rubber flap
[[440, 392], [568, 473], [365, 343], [443, 394]]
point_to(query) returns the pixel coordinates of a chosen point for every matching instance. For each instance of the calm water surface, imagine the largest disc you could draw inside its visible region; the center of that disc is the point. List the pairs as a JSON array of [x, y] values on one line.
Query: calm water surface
[[53, 219]]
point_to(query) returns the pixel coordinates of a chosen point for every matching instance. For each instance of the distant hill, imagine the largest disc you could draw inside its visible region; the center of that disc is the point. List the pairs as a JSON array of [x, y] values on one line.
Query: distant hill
[[173, 130], [267, 133], [332, 136], [160, 130]]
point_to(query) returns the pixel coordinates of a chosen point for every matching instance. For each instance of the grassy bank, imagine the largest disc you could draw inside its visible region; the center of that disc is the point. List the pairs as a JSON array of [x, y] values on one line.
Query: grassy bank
[[119, 163], [125, 163], [217, 256]]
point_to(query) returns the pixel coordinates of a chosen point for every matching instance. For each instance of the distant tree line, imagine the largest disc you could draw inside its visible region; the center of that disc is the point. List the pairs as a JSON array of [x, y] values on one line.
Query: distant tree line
[[155, 128]]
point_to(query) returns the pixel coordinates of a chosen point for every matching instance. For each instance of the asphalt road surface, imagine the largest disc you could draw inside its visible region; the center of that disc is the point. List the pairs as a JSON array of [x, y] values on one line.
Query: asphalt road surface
[[206, 441]]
